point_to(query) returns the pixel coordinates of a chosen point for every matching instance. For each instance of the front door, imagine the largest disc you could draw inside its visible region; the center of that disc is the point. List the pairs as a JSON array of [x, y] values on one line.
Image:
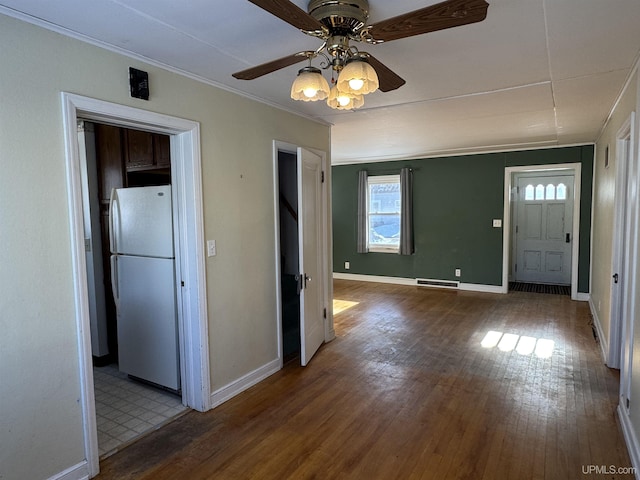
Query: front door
[[311, 241], [544, 227]]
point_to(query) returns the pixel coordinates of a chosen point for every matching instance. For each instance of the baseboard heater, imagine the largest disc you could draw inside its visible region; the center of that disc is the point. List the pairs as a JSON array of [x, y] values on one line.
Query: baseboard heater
[[425, 282]]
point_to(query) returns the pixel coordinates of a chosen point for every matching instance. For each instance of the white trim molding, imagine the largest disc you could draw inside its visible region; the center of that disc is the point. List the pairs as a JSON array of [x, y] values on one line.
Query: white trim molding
[[633, 447], [79, 471], [374, 278], [604, 344], [193, 321], [238, 386], [576, 168], [469, 287]]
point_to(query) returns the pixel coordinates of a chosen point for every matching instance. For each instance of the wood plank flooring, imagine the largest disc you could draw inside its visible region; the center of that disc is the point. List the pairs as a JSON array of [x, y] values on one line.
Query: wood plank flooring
[[408, 391]]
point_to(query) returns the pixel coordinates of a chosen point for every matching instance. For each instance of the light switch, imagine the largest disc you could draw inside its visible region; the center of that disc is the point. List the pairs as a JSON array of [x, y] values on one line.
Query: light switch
[[497, 222], [211, 248]]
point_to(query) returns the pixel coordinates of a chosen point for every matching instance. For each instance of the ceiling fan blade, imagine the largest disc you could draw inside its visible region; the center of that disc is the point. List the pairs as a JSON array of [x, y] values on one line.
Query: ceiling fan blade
[[448, 14], [290, 13], [388, 79], [272, 66]]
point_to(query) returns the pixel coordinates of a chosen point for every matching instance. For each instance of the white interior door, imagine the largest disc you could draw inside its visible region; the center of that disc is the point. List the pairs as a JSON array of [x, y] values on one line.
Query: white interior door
[[310, 238], [544, 227]]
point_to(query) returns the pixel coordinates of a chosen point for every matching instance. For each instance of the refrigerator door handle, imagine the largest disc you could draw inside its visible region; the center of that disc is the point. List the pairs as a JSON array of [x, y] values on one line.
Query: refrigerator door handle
[[114, 280], [113, 200]]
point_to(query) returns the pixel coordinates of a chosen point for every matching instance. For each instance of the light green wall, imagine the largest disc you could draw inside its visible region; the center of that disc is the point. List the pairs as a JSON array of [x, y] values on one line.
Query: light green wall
[[603, 220], [40, 416], [603, 209]]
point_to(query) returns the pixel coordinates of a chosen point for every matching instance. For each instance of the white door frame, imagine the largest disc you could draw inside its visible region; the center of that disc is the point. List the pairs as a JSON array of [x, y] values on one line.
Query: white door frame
[[620, 348], [186, 173], [509, 198], [329, 332]]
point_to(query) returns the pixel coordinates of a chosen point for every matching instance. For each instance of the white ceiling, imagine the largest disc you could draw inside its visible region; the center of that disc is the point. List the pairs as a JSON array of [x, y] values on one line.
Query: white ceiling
[[535, 73]]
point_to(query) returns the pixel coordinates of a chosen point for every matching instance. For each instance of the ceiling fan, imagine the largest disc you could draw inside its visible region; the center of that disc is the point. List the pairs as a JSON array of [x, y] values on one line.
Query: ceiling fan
[[339, 22]]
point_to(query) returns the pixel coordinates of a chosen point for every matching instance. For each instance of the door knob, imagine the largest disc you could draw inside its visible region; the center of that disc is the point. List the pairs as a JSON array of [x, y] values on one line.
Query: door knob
[[615, 278], [568, 238]]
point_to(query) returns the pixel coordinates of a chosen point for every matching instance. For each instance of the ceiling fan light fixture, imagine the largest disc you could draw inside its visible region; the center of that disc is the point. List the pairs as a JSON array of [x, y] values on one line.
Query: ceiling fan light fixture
[[358, 77], [309, 85], [340, 100]]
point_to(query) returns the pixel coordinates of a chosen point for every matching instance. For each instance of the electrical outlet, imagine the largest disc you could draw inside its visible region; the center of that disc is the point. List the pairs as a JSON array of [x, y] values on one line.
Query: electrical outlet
[[211, 248], [458, 272], [497, 223], [347, 265]]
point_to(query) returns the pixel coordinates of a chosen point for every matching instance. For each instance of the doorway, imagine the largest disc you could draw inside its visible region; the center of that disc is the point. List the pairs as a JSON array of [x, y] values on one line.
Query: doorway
[[128, 401], [289, 255], [621, 330], [553, 219], [542, 228], [192, 325], [301, 248]]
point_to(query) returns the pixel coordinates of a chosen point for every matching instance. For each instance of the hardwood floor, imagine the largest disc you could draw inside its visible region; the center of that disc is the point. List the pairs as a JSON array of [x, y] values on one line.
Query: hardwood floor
[[408, 391]]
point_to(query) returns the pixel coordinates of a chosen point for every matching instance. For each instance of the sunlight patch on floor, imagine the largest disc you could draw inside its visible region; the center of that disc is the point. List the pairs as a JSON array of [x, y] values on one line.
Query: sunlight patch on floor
[[340, 306], [522, 344]]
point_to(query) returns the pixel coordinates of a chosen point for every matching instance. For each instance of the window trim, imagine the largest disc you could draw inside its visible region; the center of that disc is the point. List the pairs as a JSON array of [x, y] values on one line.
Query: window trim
[[379, 180]]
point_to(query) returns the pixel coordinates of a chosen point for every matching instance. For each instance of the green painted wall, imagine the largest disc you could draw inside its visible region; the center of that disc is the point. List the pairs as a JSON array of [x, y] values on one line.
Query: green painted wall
[[455, 199]]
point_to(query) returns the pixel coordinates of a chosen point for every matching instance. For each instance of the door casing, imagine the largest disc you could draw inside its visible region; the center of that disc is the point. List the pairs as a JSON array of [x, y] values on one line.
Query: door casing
[[560, 168], [188, 235], [329, 333], [621, 325]]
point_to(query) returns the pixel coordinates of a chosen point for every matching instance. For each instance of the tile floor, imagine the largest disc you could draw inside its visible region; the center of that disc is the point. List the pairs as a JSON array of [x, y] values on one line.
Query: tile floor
[[126, 409]]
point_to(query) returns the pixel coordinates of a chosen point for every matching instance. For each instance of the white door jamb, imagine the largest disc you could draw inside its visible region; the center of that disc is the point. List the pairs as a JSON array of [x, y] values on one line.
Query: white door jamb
[[186, 173], [506, 226]]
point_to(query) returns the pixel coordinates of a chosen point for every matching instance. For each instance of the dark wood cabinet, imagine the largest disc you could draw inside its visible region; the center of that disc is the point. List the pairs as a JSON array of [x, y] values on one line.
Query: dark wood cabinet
[[145, 150], [138, 151], [162, 150]]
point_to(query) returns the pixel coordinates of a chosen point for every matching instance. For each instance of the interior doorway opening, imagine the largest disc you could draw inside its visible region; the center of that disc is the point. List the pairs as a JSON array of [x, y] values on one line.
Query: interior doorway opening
[[289, 255], [541, 231], [303, 290], [127, 406], [187, 180]]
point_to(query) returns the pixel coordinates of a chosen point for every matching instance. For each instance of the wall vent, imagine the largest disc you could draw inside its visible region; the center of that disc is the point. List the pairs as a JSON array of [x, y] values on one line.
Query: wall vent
[[425, 282]]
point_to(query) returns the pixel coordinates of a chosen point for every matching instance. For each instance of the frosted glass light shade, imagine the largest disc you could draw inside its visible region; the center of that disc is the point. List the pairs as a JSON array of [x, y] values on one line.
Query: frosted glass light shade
[[344, 101], [309, 85], [358, 77]]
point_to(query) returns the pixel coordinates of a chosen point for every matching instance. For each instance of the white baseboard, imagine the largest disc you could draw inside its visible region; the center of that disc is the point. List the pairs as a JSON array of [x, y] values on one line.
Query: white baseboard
[[583, 297], [476, 287], [374, 278], [77, 472], [631, 440], [240, 385], [602, 341], [471, 287]]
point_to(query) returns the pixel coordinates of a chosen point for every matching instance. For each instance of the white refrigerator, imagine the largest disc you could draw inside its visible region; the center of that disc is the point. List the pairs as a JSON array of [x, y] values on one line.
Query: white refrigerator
[[144, 285]]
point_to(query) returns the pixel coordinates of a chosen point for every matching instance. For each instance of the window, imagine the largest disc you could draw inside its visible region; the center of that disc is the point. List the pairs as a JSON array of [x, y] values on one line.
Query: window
[[528, 192], [562, 191], [550, 192], [383, 213]]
